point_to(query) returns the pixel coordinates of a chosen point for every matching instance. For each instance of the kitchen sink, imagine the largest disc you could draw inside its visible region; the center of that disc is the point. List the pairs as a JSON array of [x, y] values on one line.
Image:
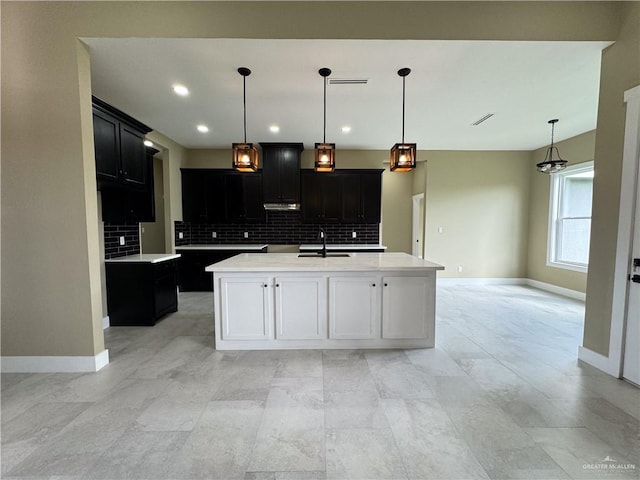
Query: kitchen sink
[[319, 255]]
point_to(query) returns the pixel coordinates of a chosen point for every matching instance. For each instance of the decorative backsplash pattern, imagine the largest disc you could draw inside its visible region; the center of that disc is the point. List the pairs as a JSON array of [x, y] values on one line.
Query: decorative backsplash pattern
[[283, 228], [112, 234]]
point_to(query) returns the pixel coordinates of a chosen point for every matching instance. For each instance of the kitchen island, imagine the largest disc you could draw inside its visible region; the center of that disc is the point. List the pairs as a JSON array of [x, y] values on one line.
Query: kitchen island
[[357, 300]]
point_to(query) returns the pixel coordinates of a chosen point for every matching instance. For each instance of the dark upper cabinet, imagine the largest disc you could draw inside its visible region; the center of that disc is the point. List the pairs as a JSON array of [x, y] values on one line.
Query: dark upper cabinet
[[371, 196], [244, 198], [349, 196], [221, 196], [128, 205], [119, 148], [194, 195], [361, 196], [281, 172], [321, 198]]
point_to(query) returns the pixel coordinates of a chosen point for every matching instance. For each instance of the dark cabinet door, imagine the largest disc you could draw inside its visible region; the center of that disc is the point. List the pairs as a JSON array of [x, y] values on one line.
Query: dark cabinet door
[[330, 198], [351, 198], [165, 288], [235, 194], [281, 172], [216, 201], [194, 195], [106, 139], [320, 197], [310, 207], [290, 176], [252, 198], [132, 157], [371, 194]]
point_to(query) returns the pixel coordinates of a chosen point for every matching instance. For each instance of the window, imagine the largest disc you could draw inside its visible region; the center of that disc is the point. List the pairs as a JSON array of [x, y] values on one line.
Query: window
[[570, 217]]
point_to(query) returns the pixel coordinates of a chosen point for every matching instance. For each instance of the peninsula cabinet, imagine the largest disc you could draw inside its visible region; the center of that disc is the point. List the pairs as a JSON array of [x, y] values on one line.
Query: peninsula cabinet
[[300, 307], [119, 149], [354, 307]]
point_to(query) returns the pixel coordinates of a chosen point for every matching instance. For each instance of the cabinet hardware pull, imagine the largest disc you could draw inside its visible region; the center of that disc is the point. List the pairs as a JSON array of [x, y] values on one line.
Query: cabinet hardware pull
[[264, 286], [373, 284], [277, 284], [386, 284]]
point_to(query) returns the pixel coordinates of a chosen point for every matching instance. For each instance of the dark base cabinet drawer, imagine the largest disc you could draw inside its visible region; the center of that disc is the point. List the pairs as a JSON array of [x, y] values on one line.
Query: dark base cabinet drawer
[[139, 294]]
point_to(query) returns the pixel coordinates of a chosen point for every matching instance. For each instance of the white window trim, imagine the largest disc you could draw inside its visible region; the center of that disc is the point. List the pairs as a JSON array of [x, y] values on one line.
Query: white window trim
[[553, 209]]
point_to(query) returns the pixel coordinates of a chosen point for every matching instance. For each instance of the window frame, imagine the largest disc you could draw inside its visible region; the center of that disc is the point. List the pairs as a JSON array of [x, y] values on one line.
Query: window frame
[[555, 193]]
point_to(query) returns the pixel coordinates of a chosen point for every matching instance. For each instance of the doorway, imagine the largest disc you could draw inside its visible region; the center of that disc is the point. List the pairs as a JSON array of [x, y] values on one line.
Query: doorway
[[152, 234], [417, 230]]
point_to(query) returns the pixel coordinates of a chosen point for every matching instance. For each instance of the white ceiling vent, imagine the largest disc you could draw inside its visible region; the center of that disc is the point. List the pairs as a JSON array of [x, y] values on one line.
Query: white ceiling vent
[[483, 118], [348, 81]]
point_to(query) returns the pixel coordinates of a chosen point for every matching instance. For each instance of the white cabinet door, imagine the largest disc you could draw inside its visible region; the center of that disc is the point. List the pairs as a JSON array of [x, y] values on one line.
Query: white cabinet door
[[354, 304], [245, 308], [407, 305], [301, 308]]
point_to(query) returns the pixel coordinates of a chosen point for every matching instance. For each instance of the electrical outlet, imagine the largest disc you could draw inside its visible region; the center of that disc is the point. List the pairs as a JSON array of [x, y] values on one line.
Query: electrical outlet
[[214, 235], [440, 229], [354, 234], [121, 240], [459, 268], [180, 235], [246, 234]]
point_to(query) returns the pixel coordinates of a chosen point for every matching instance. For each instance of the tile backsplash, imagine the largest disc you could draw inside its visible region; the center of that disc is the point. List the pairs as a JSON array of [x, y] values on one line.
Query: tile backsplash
[[283, 228], [112, 234]]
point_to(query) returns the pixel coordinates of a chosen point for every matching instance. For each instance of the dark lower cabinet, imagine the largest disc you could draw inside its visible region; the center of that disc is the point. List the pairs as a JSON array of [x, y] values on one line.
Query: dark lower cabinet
[[191, 265], [140, 293]]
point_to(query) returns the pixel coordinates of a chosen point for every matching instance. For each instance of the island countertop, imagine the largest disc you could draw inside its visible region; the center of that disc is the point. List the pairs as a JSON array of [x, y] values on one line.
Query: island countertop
[[290, 262]]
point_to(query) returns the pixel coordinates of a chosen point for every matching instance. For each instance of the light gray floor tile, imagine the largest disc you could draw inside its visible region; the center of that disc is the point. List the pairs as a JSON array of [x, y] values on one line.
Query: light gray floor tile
[[401, 380], [435, 362], [428, 442], [363, 454], [220, 445], [291, 434], [299, 363], [353, 410], [581, 454]]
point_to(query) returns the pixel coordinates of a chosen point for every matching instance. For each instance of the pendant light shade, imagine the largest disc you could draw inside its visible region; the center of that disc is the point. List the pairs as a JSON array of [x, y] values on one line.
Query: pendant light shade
[[551, 165], [244, 155], [403, 155], [325, 153]]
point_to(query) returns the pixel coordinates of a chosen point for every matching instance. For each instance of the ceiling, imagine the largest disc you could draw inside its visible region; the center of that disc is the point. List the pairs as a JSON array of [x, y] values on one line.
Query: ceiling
[[452, 84]]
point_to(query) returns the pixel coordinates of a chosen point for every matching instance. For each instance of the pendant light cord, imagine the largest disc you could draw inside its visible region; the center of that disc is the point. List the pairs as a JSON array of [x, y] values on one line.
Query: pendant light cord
[[244, 105], [403, 81], [324, 131]]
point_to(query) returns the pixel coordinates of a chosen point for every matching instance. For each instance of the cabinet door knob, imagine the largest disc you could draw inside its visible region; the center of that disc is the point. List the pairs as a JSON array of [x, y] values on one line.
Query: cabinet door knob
[[264, 286], [277, 284], [386, 284], [373, 284]]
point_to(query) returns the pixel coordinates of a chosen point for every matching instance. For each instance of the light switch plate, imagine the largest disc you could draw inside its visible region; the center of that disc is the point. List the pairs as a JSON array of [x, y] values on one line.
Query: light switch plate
[[214, 235], [354, 234], [246, 234], [121, 240], [180, 235]]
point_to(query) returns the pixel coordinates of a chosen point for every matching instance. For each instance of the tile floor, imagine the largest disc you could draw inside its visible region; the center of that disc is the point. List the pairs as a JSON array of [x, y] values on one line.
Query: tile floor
[[501, 396]]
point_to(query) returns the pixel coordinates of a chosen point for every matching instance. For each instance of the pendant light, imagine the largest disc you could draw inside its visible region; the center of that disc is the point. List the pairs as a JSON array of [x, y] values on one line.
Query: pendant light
[[325, 153], [244, 155], [403, 155], [549, 165]]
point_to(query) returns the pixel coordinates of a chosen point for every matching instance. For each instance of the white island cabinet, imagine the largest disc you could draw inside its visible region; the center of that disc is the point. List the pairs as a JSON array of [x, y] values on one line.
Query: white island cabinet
[[365, 300]]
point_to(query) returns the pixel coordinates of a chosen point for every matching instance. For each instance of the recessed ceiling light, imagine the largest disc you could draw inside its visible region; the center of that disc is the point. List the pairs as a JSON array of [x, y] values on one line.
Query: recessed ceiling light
[[274, 128], [202, 128], [346, 129], [148, 143], [180, 90]]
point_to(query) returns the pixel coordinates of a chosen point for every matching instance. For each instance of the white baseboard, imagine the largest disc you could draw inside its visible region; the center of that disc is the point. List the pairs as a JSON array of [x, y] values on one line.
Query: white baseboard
[[598, 361], [54, 364], [566, 292], [481, 281], [106, 322]]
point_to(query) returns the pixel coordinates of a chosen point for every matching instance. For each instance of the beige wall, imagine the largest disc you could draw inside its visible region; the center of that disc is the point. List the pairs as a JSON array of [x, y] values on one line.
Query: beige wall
[[481, 200], [152, 234], [51, 291], [396, 187], [620, 71], [575, 150]]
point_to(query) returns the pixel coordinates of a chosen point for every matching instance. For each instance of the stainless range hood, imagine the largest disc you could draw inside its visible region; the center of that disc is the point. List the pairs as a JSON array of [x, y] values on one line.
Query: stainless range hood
[[281, 207]]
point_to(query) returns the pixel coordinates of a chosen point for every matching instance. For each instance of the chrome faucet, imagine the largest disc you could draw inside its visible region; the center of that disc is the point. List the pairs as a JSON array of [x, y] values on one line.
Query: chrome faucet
[[323, 236]]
